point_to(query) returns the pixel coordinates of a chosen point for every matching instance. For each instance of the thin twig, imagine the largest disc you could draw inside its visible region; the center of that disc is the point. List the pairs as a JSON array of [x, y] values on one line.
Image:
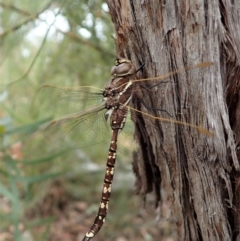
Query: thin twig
[[76, 38], [31, 18], [38, 53], [16, 9]]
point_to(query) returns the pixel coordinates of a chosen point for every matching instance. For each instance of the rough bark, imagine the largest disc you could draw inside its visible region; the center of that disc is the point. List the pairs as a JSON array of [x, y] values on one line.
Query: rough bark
[[198, 174]]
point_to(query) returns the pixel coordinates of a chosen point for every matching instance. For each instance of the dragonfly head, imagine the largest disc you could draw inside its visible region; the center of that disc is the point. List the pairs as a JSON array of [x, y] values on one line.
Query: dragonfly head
[[122, 67]]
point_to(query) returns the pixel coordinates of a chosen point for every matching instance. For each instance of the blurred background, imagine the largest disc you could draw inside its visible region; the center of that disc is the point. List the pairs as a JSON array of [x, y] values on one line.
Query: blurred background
[[48, 192]]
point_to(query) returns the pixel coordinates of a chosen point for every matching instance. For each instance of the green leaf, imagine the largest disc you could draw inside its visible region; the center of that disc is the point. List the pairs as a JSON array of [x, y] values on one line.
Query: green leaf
[[29, 128], [2, 130], [7, 193], [44, 159], [40, 178]]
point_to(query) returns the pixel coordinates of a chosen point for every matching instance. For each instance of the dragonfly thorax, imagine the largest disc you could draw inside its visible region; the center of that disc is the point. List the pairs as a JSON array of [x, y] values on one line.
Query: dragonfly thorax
[[116, 97], [114, 100], [118, 91]]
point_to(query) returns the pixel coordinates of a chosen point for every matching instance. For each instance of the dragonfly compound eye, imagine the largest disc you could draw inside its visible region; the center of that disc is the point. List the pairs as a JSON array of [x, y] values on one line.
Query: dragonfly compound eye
[[124, 68]]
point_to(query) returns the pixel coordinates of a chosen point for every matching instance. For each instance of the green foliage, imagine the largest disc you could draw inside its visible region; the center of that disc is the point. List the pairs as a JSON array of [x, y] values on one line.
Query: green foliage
[[17, 187], [38, 49], [65, 43]]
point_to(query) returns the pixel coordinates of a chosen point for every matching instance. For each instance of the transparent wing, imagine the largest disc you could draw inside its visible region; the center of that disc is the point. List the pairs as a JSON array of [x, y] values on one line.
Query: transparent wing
[[77, 115], [78, 112], [189, 69], [126, 140], [80, 129], [151, 120], [59, 101], [180, 87]]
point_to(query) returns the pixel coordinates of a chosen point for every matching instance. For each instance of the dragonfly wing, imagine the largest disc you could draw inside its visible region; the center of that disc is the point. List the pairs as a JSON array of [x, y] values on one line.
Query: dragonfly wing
[[163, 110], [191, 68], [80, 129], [57, 101], [151, 119]]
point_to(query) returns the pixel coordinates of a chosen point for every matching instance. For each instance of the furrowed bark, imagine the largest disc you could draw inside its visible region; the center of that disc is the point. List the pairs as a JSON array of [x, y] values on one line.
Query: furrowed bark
[[199, 175]]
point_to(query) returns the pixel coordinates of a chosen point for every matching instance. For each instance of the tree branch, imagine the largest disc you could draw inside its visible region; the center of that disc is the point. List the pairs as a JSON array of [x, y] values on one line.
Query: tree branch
[[26, 21], [76, 38], [16, 9]]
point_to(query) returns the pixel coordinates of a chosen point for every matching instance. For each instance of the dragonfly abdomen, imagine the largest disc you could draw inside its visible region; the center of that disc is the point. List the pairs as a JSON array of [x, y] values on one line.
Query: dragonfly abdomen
[[106, 192]]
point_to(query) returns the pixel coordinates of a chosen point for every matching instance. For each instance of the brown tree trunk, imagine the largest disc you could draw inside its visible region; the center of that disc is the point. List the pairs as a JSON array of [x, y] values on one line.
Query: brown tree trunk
[[199, 175]]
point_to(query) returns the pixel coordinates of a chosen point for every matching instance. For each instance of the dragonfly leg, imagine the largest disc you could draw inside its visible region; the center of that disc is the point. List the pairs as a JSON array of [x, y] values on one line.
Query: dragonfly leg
[[151, 87], [142, 65], [148, 107], [157, 109]]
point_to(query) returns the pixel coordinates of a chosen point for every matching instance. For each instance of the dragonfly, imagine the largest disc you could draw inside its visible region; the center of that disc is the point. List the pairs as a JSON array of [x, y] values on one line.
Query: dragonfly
[[93, 110]]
